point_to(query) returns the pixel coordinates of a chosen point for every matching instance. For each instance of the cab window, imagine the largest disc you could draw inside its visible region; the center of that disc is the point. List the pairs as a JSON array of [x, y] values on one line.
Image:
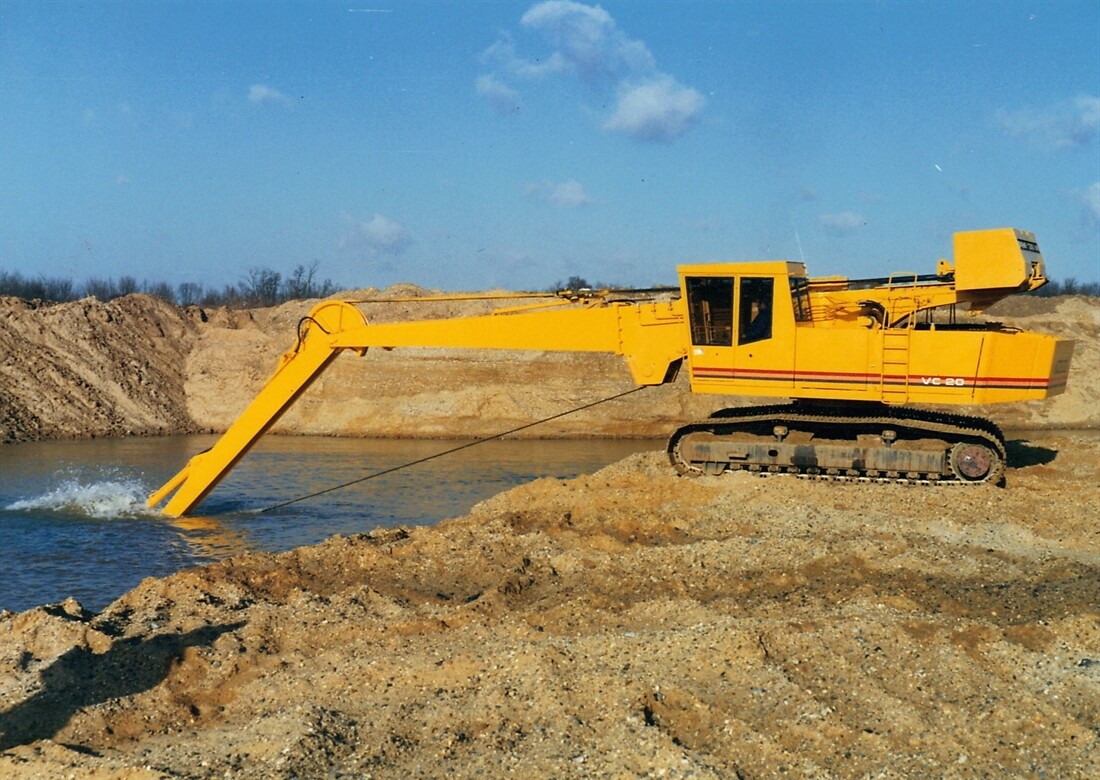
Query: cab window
[[755, 307], [710, 310], [800, 299]]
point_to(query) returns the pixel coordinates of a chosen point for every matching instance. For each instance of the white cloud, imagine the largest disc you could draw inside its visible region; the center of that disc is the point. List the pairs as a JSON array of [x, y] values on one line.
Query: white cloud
[[586, 43], [262, 93], [567, 195], [1066, 125], [504, 98], [658, 110], [379, 235], [844, 223], [586, 40], [502, 55]]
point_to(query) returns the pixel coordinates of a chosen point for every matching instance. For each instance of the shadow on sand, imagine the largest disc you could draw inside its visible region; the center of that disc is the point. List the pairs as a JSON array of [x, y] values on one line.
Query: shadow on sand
[[1022, 453], [81, 678]]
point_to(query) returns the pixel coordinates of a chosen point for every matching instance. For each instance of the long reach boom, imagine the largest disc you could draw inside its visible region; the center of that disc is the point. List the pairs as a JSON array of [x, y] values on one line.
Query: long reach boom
[[849, 354]]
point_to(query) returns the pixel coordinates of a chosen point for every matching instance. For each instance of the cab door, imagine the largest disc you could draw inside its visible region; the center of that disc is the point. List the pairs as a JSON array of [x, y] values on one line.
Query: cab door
[[763, 350], [711, 326], [742, 334]]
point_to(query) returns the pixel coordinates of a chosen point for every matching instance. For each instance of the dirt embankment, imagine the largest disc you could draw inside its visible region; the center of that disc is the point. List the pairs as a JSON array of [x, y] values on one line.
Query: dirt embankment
[[138, 365], [624, 624], [87, 369]]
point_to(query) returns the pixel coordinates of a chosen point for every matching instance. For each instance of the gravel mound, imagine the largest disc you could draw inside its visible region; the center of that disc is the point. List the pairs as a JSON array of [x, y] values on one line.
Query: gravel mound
[[628, 623]]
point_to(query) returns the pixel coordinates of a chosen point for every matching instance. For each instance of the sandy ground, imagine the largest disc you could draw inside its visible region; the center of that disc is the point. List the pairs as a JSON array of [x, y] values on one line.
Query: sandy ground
[[87, 368], [625, 624]]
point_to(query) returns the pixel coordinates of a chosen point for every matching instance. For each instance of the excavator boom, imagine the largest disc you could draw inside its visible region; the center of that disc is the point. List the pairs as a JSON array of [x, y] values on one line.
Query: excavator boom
[[647, 335]]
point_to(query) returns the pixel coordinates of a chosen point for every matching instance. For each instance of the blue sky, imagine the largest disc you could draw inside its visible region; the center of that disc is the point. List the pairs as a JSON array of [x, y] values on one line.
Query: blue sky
[[470, 145]]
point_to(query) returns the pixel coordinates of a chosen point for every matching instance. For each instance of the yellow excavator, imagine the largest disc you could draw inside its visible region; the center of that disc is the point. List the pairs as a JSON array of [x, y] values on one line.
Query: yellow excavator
[[850, 356]]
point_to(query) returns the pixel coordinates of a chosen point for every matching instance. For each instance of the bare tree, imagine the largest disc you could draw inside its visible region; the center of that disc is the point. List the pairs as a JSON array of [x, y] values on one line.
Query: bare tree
[[300, 282], [161, 290], [261, 286], [188, 293], [101, 289], [127, 285]]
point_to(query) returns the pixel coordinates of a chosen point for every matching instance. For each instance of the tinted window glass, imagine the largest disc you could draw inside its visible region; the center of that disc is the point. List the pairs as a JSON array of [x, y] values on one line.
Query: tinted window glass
[[755, 322], [710, 310]]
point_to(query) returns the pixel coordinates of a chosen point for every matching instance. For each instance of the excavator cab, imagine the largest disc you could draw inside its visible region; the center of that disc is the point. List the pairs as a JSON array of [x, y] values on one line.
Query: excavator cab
[[741, 323]]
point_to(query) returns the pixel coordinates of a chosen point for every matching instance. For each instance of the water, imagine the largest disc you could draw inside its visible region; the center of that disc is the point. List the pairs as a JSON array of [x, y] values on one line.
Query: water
[[73, 520]]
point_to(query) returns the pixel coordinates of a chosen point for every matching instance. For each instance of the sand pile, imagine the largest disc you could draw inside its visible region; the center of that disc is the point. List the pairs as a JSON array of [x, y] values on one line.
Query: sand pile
[[87, 368]]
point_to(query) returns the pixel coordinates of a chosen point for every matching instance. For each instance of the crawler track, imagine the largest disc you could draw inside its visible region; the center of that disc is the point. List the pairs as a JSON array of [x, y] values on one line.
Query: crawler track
[[871, 442]]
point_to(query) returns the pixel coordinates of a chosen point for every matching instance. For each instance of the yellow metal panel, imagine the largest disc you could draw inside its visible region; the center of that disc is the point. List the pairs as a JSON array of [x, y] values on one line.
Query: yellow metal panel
[[756, 268], [1022, 367], [943, 365], [837, 363], [994, 259]]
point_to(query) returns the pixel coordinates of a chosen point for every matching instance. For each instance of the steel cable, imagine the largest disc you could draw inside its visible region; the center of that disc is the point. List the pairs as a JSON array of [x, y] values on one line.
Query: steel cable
[[450, 451]]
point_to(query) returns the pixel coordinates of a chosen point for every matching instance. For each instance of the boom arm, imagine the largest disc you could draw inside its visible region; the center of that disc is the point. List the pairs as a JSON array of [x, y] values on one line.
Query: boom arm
[[646, 334]]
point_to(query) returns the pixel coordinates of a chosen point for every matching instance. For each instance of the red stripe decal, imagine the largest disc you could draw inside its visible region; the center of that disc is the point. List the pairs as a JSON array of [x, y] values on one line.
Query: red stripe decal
[[914, 380]]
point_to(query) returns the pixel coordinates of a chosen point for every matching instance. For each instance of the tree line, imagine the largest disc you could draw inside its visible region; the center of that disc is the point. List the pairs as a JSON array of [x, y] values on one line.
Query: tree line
[[266, 287], [1068, 286], [260, 287]]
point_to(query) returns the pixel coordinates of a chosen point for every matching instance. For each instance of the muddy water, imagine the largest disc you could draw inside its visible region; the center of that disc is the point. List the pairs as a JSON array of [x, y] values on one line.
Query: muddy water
[[73, 520]]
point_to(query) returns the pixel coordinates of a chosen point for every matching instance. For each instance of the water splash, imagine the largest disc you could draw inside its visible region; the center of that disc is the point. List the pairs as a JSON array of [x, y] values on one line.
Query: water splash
[[102, 500]]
